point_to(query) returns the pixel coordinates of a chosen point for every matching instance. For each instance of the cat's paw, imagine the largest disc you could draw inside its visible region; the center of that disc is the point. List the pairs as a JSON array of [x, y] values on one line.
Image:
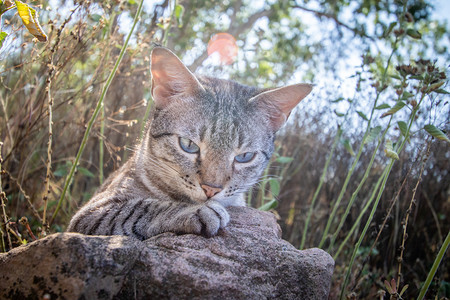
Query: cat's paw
[[212, 216]]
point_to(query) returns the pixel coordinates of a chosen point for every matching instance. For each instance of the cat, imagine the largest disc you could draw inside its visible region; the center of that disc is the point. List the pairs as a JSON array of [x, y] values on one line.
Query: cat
[[206, 143]]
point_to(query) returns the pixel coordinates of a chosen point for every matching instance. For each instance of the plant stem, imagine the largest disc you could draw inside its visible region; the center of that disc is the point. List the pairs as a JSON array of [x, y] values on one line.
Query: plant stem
[[361, 183], [358, 220], [434, 268], [408, 212], [350, 172], [96, 112], [322, 179], [375, 206], [49, 147], [2, 204]]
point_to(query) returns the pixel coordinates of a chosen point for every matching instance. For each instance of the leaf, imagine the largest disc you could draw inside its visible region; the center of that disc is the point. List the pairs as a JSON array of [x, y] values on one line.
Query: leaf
[[179, 11], [274, 187], [269, 205], [362, 115], [403, 127], [388, 287], [3, 36], [30, 20], [338, 113], [417, 77], [441, 91], [348, 147], [5, 6], [406, 95], [389, 150], [414, 33], [337, 100], [435, 86], [95, 17], [373, 134], [284, 159], [86, 172], [395, 76], [399, 105], [404, 290], [436, 132], [383, 106], [389, 29], [62, 170]]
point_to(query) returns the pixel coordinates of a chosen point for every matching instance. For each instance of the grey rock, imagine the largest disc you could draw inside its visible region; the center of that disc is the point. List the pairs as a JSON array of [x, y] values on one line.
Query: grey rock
[[247, 260]]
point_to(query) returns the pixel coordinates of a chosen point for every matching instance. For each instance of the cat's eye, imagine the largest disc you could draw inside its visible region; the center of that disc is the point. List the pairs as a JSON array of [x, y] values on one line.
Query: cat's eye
[[188, 146], [244, 157]]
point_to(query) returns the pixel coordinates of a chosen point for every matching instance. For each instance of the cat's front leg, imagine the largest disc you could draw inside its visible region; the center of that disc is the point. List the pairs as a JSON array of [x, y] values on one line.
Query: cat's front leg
[[205, 219]]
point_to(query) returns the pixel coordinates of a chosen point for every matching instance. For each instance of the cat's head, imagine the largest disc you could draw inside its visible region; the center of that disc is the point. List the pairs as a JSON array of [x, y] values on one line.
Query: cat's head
[[210, 138]]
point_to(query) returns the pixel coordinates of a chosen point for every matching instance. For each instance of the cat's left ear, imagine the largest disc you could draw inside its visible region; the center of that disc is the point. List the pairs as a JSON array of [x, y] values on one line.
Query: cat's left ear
[[170, 77], [278, 103]]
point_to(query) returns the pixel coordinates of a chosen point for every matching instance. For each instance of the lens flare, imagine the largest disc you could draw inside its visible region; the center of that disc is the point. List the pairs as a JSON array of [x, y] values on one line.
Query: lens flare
[[225, 45]]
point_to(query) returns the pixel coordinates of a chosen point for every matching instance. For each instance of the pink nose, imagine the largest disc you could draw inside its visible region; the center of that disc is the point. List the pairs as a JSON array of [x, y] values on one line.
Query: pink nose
[[210, 191]]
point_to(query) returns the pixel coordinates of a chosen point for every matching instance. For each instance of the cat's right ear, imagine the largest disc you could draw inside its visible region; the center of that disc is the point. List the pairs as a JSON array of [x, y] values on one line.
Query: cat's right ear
[[170, 77]]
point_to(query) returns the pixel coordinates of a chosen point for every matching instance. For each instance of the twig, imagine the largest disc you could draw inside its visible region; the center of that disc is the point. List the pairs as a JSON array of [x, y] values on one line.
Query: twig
[[25, 195], [335, 19], [24, 222], [408, 212], [45, 226], [3, 201]]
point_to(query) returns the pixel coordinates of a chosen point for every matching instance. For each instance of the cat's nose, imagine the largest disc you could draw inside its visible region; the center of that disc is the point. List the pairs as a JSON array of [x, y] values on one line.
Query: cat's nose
[[211, 191]]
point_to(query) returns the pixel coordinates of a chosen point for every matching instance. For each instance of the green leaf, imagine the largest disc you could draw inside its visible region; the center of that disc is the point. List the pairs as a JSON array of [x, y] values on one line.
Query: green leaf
[[179, 11], [62, 170], [362, 115], [30, 20], [414, 33], [406, 95], [389, 29], [338, 113], [284, 159], [388, 287], [403, 290], [86, 172], [274, 187], [348, 147], [399, 105], [269, 205], [337, 100], [441, 91], [95, 17], [383, 106], [403, 127], [417, 77], [132, 2], [436, 132], [395, 76], [373, 134], [435, 86], [389, 150], [3, 36]]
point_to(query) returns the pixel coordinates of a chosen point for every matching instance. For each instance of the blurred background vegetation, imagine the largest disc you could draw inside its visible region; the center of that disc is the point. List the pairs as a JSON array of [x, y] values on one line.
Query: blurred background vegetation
[[361, 169]]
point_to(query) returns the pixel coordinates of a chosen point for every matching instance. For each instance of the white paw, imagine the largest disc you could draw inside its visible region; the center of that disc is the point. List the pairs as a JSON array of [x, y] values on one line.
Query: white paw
[[212, 217]]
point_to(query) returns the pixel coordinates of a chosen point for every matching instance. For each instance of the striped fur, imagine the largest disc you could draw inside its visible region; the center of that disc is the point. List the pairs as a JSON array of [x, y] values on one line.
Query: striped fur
[[162, 187]]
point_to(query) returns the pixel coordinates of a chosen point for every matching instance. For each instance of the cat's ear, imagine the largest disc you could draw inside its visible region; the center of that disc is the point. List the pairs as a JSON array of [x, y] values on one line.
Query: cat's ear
[[170, 77], [278, 103]]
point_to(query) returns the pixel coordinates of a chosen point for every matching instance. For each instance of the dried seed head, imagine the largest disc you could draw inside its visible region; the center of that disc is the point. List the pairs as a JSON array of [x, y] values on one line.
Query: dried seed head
[[409, 17]]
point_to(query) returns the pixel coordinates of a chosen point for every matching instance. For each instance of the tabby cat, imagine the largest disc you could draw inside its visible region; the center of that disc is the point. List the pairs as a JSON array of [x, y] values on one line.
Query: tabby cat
[[206, 143]]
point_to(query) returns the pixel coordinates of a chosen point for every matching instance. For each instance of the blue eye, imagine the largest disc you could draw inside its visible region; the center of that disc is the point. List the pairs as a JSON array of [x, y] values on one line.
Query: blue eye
[[188, 146], [244, 157]]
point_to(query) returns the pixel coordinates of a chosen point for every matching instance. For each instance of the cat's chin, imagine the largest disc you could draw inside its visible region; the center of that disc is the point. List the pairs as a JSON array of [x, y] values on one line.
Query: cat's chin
[[238, 200]]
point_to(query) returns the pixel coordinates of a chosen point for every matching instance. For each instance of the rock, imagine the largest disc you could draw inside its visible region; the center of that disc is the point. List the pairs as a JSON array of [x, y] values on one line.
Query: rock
[[247, 260]]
